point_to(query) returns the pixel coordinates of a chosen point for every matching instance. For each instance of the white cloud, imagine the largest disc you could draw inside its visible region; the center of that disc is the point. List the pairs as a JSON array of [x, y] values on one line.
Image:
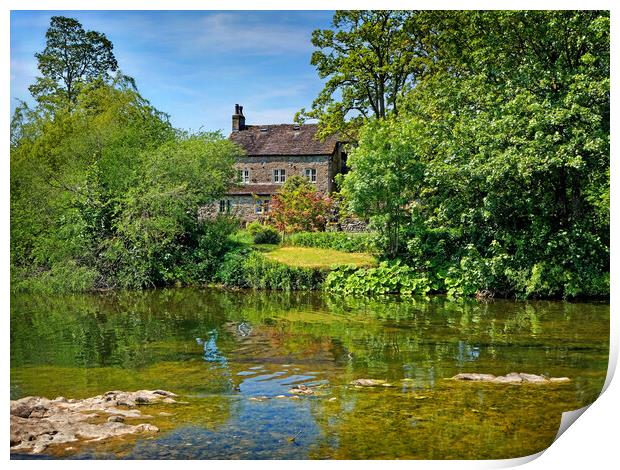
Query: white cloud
[[248, 33]]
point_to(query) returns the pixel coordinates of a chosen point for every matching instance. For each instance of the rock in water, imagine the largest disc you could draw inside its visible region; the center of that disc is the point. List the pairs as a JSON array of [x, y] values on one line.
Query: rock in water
[[475, 377], [512, 378], [301, 390], [37, 422], [559, 379], [368, 382]]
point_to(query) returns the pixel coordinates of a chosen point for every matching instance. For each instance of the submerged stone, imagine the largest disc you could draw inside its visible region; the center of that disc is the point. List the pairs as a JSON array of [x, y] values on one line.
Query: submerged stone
[[559, 379], [474, 377], [368, 382], [301, 390], [512, 378]]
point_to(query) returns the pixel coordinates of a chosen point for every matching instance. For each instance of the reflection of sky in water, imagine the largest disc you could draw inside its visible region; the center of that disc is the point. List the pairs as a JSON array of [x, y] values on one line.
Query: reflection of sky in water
[[211, 353], [260, 430], [257, 429]]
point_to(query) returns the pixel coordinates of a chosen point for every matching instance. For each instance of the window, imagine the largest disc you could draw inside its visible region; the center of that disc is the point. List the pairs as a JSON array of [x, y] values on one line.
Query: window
[[262, 206], [225, 206], [279, 176], [311, 174], [244, 175]]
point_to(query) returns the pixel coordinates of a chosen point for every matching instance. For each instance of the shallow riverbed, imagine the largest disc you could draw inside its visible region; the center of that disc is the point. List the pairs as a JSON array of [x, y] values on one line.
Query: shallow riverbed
[[229, 355]]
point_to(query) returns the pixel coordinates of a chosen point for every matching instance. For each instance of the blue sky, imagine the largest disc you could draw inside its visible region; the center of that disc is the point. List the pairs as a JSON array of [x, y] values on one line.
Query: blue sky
[[195, 65]]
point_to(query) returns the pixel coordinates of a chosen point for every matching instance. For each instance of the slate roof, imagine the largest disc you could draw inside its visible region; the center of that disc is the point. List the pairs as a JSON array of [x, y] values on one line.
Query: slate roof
[[259, 189], [283, 139]]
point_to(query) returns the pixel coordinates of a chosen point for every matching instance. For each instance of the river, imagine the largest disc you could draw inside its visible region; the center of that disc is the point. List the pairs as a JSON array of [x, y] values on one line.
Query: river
[[228, 355]]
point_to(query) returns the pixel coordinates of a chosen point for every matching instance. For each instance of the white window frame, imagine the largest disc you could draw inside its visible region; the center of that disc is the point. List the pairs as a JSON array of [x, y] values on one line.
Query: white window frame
[[261, 206], [244, 175], [310, 174], [279, 175]]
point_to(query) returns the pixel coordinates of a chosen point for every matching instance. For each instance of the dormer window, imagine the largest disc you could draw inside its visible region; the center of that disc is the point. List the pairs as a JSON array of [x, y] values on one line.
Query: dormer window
[[279, 176], [244, 176], [310, 174]]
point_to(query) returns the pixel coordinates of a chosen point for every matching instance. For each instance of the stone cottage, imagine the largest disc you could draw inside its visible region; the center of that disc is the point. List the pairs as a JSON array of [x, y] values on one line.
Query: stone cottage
[[275, 152]]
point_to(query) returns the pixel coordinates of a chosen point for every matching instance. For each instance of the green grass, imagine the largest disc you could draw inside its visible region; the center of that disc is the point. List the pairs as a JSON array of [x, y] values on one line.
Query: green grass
[[304, 257]]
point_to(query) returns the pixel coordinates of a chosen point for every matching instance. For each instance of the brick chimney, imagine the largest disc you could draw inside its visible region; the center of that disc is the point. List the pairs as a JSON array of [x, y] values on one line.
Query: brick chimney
[[238, 119]]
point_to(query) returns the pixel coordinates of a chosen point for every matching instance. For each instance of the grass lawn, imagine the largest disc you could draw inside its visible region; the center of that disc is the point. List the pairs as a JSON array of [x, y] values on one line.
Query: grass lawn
[[304, 257]]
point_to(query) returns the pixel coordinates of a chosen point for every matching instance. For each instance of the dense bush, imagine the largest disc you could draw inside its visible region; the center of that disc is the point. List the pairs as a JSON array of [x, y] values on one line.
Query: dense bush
[[263, 234], [387, 278], [246, 268], [62, 277], [298, 206], [342, 241], [231, 271]]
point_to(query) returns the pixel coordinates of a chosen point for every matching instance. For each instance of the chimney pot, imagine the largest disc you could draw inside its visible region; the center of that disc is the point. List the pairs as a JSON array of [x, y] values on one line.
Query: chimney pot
[[238, 120]]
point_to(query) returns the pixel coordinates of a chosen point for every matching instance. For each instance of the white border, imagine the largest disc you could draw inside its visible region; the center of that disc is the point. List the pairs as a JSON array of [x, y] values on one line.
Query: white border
[[592, 442]]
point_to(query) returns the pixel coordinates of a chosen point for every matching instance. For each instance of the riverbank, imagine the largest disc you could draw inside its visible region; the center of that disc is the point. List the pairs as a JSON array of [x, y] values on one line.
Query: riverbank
[[337, 262]]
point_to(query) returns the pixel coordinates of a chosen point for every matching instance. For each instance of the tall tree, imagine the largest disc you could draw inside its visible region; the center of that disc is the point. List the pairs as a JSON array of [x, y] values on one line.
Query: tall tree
[[505, 141], [369, 59], [71, 57]]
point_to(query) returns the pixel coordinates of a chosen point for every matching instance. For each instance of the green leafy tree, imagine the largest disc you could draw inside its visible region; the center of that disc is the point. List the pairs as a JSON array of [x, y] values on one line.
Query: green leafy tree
[[69, 169], [385, 179], [159, 233], [71, 58], [506, 141], [106, 194], [369, 58]]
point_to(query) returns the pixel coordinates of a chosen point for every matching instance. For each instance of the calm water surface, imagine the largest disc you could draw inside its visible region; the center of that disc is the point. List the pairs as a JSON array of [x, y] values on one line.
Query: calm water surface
[[217, 350]]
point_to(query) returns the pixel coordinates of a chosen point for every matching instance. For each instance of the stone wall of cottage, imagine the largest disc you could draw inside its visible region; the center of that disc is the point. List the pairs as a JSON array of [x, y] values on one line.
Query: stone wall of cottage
[[241, 206], [261, 172], [261, 169]]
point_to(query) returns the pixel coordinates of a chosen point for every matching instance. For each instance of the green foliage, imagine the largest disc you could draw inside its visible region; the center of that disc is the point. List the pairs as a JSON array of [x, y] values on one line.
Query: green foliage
[[157, 222], [387, 278], [268, 235], [341, 241], [72, 58], [254, 228], [385, 178], [109, 187], [251, 269], [231, 271], [263, 234], [368, 59], [494, 176], [61, 278]]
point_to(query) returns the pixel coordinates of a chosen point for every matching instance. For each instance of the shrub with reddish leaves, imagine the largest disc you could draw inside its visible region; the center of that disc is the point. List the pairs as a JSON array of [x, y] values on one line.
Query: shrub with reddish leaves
[[298, 207]]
